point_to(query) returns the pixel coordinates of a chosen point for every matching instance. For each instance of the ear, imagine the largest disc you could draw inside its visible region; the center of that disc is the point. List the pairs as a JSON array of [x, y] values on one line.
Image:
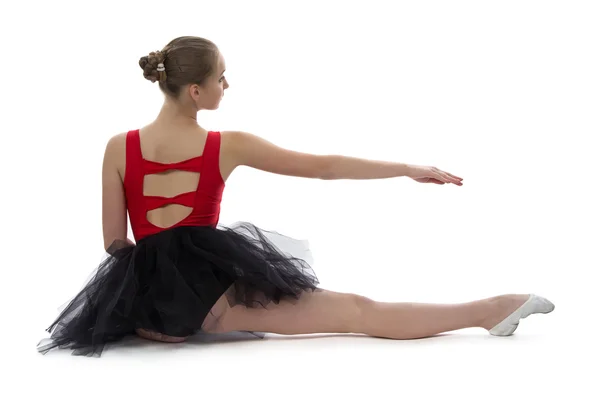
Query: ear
[[195, 92]]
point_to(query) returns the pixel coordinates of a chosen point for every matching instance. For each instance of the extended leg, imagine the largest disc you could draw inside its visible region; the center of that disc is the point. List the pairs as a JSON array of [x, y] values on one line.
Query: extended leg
[[327, 311]]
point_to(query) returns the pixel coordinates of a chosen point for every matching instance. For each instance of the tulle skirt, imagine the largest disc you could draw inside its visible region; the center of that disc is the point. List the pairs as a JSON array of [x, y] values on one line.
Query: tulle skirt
[[168, 283]]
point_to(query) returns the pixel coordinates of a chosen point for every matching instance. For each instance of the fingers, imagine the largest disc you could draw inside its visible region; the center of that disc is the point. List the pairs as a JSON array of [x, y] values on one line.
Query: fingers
[[444, 177], [454, 179], [448, 177]]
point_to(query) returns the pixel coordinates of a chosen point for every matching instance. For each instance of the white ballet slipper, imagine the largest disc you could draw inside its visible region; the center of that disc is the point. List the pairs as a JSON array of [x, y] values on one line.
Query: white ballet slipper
[[534, 305]]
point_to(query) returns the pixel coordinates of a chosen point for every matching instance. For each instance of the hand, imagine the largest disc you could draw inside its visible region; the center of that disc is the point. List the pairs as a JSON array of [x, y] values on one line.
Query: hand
[[432, 175]]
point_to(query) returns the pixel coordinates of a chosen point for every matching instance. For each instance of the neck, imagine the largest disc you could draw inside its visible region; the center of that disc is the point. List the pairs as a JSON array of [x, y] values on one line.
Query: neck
[[174, 114]]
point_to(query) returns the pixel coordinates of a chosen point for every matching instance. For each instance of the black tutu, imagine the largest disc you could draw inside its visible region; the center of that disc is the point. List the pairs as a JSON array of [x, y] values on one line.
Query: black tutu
[[168, 283]]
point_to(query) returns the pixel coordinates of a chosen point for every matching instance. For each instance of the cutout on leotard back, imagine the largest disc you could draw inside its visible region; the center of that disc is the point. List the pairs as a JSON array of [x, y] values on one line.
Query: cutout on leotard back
[[170, 184]]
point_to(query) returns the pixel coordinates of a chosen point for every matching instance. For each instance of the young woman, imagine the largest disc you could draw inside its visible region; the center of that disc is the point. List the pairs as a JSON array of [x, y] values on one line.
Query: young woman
[[186, 273]]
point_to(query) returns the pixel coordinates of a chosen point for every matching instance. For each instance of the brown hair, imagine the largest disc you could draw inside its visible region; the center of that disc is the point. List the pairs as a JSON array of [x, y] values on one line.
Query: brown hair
[[186, 60]]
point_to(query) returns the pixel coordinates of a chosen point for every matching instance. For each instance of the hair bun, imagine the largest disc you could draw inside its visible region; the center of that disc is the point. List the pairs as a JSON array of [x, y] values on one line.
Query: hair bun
[[150, 64]]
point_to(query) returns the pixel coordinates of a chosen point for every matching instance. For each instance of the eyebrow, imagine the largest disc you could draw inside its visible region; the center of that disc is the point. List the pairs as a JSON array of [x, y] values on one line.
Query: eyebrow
[[222, 72]]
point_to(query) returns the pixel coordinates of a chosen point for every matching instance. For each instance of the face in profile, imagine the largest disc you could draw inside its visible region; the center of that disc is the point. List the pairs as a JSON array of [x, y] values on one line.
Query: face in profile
[[214, 88]]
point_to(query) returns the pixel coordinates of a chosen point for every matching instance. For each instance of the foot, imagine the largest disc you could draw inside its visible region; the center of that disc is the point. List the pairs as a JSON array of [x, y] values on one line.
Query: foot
[[509, 309]]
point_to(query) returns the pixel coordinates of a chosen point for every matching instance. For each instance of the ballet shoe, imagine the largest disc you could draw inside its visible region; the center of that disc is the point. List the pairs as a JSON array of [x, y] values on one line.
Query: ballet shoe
[[534, 305]]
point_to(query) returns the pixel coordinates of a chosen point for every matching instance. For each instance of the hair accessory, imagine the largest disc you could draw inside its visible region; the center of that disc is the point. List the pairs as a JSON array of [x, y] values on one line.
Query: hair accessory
[[160, 67]]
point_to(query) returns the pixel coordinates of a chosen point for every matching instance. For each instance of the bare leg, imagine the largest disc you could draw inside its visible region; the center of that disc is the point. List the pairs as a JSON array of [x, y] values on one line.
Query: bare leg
[[158, 337], [326, 311], [416, 320]]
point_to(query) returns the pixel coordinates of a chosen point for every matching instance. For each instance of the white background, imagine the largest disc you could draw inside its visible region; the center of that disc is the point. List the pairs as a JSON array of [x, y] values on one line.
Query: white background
[[502, 94]]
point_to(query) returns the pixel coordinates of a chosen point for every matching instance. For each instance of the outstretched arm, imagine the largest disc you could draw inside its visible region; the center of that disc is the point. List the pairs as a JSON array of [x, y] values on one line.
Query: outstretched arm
[[345, 167], [255, 152]]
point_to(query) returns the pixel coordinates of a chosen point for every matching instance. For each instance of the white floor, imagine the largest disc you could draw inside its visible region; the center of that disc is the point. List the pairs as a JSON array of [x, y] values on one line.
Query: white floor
[[551, 355]]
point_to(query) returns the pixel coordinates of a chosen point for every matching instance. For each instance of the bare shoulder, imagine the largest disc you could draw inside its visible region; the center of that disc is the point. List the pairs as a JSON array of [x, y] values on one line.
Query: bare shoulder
[[114, 153], [117, 141], [248, 149]]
